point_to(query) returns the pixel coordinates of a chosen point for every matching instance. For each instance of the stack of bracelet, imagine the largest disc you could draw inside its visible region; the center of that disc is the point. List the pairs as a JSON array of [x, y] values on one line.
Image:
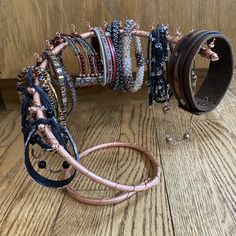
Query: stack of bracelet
[[94, 75], [41, 129], [45, 110], [122, 44], [159, 89], [33, 128]]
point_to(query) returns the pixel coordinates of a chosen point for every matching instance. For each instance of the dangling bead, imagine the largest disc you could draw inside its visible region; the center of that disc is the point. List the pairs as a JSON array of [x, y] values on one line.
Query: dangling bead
[[186, 136], [168, 139], [65, 165], [165, 109], [42, 164]]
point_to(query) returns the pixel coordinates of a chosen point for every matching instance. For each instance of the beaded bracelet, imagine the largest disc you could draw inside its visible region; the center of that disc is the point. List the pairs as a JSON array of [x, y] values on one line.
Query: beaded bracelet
[[95, 77], [72, 44], [45, 82], [129, 83], [159, 89], [140, 65], [64, 80], [84, 80], [114, 30]]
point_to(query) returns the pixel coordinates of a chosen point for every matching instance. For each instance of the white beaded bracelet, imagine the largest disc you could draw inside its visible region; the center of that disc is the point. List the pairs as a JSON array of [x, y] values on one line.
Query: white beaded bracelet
[[129, 83]]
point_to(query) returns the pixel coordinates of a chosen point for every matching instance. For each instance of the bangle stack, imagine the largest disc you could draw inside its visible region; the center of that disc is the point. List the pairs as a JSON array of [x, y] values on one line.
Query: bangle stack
[[48, 93]]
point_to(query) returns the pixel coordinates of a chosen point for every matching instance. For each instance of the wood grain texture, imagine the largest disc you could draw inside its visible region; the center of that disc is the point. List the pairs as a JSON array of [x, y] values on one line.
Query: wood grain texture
[[84, 219], [2, 150], [196, 195], [146, 213], [202, 171], [102, 127], [32, 22], [10, 128]]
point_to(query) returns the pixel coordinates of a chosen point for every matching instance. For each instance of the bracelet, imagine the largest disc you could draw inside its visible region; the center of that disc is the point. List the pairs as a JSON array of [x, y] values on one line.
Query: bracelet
[[130, 84], [112, 51], [140, 65], [94, 58], [84, 80], [218, 77], [42, 164], [64, 79], [105, 55], [158, 85], [72, 44], [114, 30]]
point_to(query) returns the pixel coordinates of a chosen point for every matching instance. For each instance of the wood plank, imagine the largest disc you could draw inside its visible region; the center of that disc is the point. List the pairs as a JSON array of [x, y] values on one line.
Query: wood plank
[[220, 157], [104, 126], [2, 150], [84, 219], [10, 128], [231, 125], [146, 213], [11, 156], [33, 209], [227, 107], [3, 114], [197, 206]]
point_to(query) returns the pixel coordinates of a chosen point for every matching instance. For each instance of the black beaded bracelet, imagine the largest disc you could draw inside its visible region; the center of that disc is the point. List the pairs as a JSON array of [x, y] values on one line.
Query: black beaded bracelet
[[158, 85], [114, 30]]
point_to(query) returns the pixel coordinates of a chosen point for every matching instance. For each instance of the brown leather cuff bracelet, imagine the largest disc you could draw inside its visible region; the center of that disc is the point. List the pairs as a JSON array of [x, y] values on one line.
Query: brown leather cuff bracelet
[[218, 76]]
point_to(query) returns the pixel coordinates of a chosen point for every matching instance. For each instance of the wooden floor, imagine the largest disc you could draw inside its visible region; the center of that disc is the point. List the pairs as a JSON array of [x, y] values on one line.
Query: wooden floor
[[196, 196]]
